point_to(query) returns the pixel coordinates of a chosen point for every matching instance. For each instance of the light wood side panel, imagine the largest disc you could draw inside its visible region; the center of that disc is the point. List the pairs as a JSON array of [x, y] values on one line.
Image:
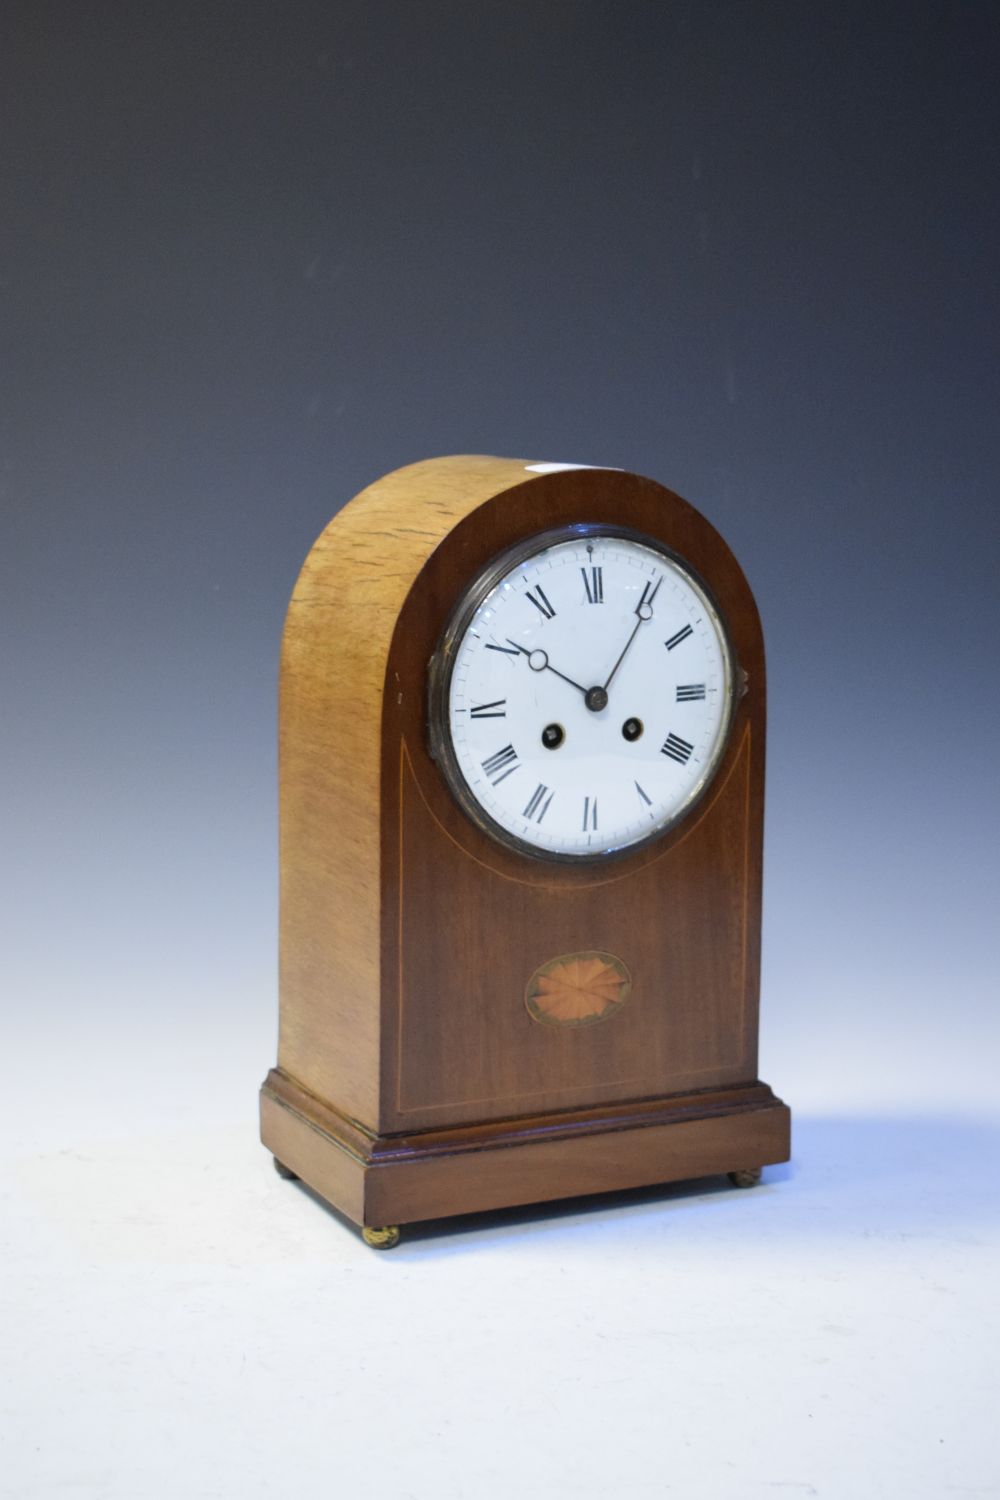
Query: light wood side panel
[[333, 670]]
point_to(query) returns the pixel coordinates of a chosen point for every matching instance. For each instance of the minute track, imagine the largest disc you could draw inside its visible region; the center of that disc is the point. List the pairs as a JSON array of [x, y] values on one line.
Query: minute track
[[536, 636]]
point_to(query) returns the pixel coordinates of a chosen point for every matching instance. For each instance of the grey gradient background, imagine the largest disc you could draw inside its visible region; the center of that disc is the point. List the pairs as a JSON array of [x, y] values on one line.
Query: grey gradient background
[[254, 255], [251, 256]]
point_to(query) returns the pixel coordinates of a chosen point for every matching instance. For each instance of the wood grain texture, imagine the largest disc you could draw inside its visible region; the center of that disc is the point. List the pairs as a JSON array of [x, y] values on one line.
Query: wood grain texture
[[335, 648], [409, 936]]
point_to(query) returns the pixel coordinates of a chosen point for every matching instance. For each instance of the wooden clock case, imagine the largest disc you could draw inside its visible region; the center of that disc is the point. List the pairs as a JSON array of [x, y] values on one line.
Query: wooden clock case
[[412, 1081]]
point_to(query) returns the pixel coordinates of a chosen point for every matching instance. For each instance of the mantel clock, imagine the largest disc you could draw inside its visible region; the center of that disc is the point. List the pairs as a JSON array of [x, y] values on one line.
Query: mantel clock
[[521, 778]]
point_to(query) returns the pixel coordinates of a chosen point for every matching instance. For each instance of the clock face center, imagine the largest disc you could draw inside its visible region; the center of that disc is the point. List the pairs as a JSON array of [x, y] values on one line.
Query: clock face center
[[637, 747]]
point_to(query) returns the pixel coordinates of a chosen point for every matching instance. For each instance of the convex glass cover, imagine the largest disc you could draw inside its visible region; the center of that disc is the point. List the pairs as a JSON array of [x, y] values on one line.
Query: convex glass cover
[[583, 693]]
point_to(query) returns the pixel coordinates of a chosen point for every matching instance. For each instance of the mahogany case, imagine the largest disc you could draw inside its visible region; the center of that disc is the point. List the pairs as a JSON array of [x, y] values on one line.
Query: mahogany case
[[413, 1081]]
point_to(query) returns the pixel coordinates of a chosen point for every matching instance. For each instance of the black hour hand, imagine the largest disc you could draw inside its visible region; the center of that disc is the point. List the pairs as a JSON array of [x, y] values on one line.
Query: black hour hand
[[538, 661]]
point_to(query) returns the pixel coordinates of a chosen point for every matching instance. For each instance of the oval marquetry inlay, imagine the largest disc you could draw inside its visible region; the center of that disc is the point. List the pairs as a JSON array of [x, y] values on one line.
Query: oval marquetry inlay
[[578, 989]]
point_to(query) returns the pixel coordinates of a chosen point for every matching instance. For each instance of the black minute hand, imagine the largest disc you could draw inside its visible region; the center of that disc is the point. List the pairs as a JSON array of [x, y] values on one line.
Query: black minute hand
[[644, 611]]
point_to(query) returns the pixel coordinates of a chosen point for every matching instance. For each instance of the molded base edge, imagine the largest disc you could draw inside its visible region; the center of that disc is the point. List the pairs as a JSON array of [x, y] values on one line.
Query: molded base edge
[[377, 1180]]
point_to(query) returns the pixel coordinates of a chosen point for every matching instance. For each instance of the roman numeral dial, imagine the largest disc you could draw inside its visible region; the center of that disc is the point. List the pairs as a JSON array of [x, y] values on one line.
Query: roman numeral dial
[[586, 698]]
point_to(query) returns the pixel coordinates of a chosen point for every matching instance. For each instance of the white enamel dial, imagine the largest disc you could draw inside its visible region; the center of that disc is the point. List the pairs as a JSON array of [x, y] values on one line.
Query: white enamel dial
[[589, 694]]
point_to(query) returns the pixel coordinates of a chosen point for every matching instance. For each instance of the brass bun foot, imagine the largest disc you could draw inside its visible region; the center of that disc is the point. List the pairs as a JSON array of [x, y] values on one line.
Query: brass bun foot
[[283, 1171], [381, 1239], [748, 1177]]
